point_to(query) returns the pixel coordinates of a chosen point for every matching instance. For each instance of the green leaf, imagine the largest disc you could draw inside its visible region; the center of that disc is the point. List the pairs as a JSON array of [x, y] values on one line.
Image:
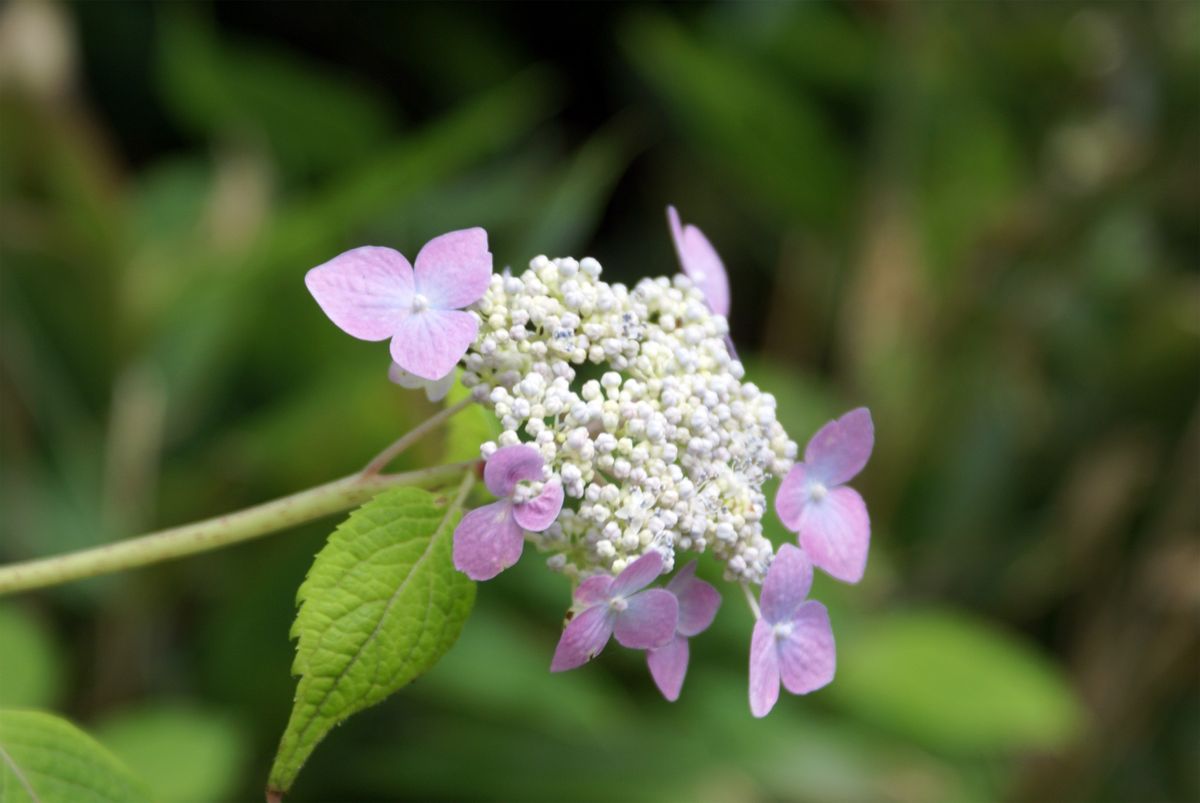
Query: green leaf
[[381, 604], [45, 759], [955, 683], [30, 662], [182, 752]]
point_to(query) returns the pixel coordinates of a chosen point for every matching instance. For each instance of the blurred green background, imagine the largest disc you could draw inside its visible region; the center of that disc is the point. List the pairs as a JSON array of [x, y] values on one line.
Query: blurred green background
[[980, 219]]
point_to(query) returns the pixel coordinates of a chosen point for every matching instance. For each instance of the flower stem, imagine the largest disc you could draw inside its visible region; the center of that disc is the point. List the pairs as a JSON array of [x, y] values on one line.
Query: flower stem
[[750, 599], [380, 461], [231, 528]]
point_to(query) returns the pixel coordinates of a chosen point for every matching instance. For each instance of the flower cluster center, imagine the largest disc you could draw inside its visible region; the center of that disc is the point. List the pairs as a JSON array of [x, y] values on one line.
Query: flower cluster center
[[665, 447]]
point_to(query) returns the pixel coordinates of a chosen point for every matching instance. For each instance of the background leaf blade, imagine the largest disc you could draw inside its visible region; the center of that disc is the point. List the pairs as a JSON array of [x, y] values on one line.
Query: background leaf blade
[[46, 759]]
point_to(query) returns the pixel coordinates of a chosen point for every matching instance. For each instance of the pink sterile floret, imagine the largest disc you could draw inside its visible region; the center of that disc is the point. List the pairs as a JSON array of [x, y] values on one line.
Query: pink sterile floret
[[813, 500], [435, 389], [489, 539], [700, 262], [374, 293], [641, 620], [698, 603], [792, 640]]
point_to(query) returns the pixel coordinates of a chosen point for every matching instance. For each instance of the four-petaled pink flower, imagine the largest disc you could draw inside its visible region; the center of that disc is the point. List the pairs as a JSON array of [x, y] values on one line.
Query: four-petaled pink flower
[[813, 501], [792, 640], [489, 539], [374, 293], [698, 603], [700, 262], [641, 620]]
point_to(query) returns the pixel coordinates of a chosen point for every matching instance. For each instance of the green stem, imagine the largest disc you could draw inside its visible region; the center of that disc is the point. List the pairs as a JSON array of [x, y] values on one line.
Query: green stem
[[750, 599], [201, 536], [381, 460]]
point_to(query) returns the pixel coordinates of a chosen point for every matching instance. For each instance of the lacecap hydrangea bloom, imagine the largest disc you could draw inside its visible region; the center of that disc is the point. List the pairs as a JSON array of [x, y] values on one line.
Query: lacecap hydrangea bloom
[[629, 438]]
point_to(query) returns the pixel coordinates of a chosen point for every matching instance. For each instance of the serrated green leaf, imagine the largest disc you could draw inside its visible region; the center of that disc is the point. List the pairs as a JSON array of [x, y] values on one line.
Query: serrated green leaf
[[45, 759], [955, 683], [381, 604]]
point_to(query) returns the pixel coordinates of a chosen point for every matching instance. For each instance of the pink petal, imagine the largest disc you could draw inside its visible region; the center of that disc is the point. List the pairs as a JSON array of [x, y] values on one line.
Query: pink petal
[[509, 465], [701, 263], [540, 512], [698, 600], [453, 270], [764, 669], [638, 574], [594, 590], [668, 666], [807, 657], [403, 378], [787, 584], [435, 390], [487, 541], [841, 448], [836, 532], [649, 621], [438, 389], [366, 291], [583, 638], [792, 496], [430, 343]]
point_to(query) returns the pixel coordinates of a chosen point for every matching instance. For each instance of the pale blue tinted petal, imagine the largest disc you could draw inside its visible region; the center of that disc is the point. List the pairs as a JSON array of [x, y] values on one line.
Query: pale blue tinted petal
[[764, 670], [787, 584], [649, 620], [487, 541], [638, 574], [539, 513], [841, 448], [836, 534], [807, 657], [583, 638], [668, 666], [508, 465]]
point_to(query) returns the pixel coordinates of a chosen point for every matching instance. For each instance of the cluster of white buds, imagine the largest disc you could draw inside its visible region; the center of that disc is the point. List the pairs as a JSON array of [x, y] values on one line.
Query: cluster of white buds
[[638, 408]]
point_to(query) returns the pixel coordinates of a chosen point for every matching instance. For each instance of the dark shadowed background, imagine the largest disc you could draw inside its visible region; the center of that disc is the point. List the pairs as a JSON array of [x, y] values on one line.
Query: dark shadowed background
[[980, 219]]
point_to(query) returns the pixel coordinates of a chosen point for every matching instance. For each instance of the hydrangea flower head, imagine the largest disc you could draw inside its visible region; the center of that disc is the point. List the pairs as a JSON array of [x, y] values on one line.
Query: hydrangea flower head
[[813, 500], [489, 539], [628, 435], [666, 450], [698, 603], [373, 293], [700, 262], [792, 641], [640, 618]]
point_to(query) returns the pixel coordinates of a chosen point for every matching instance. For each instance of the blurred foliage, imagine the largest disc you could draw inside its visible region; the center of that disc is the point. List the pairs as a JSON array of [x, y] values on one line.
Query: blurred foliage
[[182, 752], [31, 664], [49, 760], [981, 220]]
